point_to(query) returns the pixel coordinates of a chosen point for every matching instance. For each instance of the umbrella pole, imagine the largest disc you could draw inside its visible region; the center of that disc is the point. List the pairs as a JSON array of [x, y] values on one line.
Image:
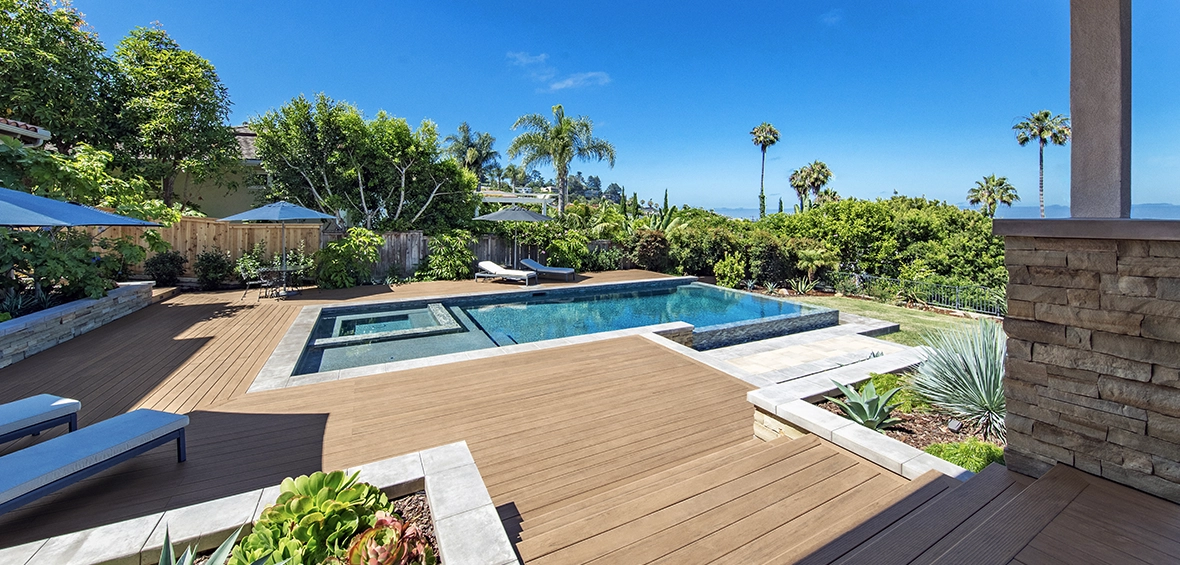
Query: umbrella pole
[[283, 245]]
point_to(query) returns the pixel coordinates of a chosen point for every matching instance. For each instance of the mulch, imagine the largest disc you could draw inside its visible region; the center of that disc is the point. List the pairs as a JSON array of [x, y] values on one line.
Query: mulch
[[414, 509], [917, 429]]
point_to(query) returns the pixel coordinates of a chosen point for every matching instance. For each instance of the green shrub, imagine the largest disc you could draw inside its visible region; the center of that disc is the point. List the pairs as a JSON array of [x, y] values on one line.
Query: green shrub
[[166, 268], [571, 249], [963, 374], [907, 399], [731, 270], [866, 407], [213, 266], [971, 453], [649, 250], [768, 258], [450, 257], [603, 259], [694, 251], [349, 261], [315, 518]]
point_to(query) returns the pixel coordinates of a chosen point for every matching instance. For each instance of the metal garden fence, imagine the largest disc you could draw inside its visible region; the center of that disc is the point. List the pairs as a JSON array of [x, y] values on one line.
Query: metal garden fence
[[979, 299]]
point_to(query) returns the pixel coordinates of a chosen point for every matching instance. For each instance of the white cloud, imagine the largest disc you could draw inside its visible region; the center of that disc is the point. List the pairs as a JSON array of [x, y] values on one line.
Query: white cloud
[[577, 80], [520, 58], [539, 70], [832, 18]]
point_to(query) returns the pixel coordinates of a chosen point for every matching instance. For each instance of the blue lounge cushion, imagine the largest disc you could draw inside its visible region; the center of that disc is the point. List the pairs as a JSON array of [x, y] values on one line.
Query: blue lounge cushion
[[543, 269], [34, 410], [33, 467]]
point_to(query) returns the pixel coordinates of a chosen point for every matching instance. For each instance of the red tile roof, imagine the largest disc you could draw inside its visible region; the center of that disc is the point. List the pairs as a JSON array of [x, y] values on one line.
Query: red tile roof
[[19, 124]]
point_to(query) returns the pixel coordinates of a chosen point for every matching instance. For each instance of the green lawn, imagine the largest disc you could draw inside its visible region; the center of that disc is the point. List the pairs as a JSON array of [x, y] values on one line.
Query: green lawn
[[913, 322]]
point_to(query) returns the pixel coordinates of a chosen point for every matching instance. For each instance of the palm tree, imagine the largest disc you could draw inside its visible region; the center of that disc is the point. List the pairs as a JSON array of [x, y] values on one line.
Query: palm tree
[[516, 175], [763, 136], [1044, 127], [809, 182], [558, 143], [991, 192], [473, 150]]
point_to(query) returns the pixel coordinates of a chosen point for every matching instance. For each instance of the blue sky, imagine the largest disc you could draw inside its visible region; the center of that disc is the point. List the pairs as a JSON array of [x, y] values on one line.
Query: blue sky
[[913, 96]]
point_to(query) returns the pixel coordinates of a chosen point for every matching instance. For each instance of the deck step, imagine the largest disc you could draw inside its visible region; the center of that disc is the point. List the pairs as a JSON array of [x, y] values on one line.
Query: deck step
[[910, 537], [692, 495], [597, 503], [1002, 536]]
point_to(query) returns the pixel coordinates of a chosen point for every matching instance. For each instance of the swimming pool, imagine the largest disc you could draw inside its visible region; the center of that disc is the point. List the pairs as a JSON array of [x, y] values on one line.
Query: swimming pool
[[356, 336]]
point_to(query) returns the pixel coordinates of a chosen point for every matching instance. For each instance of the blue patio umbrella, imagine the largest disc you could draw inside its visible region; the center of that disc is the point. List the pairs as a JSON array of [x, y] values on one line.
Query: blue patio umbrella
[[281, 212], [514, 214], [23, 210]]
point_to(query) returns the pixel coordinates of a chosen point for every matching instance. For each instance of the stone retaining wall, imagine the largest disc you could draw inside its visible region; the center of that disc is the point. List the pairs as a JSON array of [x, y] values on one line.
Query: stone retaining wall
[[36, 332], [1093, 371]]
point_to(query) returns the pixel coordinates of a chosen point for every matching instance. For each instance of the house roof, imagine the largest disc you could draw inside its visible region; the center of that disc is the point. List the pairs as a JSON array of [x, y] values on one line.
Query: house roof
[[27, 133]]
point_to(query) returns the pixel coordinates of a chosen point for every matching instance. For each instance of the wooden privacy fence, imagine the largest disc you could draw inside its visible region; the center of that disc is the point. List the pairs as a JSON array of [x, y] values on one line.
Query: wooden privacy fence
[[191, 236]]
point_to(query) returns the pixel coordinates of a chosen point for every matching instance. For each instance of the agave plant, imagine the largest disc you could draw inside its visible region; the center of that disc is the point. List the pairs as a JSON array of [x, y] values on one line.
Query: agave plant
[[750, 284], [867, 408], [770, 287], [219, 557], [963, 375], [802, 285], [390, 542]]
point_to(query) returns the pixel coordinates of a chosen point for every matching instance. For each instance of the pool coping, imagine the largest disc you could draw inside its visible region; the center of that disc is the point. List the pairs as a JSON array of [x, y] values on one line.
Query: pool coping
[[276, 372]]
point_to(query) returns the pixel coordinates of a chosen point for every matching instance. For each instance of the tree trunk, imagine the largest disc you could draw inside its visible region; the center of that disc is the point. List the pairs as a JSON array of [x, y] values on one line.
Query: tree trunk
[[561, 189], [1042, 169], [169, 187], [762, 187]]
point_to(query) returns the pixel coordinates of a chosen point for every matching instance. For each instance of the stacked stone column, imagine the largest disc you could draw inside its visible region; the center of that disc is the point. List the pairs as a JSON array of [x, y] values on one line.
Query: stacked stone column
[[1093, 370]]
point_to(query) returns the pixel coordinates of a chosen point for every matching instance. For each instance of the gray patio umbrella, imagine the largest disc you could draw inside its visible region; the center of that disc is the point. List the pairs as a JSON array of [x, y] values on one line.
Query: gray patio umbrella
[[281, 212], [23, 210], [514, 214]]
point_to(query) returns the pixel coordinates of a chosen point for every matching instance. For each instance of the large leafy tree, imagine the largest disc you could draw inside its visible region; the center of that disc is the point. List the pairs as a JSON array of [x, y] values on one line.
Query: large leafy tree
[[990, 192], [54, 72], [558, 143], [1043, 127], [176, 107], [380, 173], [764, 136], [474, 150]]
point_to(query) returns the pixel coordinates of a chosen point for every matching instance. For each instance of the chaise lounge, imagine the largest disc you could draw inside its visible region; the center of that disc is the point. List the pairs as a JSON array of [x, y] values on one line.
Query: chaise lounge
[[36, 471], [490, 270], [564, 273], [35, 414]]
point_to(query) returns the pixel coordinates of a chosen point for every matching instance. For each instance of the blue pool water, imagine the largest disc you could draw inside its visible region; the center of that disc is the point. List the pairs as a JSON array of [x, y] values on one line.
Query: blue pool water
[[340, 338], [548, 318]]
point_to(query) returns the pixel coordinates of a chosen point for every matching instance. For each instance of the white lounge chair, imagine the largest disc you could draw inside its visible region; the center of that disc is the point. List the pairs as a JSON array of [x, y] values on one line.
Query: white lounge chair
[[490, 270], [566, 273], [36, 471], [35, 414]]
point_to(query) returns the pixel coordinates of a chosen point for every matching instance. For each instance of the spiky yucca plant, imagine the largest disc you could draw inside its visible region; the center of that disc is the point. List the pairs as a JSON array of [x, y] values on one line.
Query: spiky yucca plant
[[867, 408], [963, 374]]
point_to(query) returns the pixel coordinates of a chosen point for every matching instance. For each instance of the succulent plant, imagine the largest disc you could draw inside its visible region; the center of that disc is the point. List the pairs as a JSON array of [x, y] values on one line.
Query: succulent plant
[[315, 517], [219, 557], [867, 408], [390, 542]]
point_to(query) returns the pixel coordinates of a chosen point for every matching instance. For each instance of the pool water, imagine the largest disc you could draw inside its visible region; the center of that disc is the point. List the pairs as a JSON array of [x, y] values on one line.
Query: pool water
[[552, 318], [357, 336]]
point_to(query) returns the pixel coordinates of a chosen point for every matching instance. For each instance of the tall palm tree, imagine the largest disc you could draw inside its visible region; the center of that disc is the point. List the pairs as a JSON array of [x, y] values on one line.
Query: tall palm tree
[[809, 182], [558, 143], [516, 175], [764, 135], [1044, 127], [990, 193], [473, 150]]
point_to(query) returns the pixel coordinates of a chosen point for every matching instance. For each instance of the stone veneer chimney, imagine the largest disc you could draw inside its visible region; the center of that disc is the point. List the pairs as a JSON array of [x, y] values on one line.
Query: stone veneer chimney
[[1093, 370]]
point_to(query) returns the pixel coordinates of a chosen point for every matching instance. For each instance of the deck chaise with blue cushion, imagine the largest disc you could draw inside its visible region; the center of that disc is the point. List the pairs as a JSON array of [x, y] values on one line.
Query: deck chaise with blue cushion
[[35, 414], [38, 470], [566, 273]]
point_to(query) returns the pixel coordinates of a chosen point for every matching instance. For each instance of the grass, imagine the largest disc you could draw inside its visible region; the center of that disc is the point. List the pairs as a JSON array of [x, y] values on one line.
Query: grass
[[913, 322], [971, 454]]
